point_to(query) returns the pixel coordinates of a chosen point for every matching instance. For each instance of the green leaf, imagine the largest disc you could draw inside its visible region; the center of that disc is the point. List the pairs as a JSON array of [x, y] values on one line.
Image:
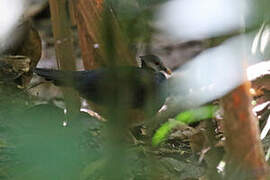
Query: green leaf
[[186, 117], [198, 114], [162, 133]]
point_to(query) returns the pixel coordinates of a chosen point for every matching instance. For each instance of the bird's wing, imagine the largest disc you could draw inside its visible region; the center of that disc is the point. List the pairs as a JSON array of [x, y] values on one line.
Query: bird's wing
[[129, 86], [59, 78]]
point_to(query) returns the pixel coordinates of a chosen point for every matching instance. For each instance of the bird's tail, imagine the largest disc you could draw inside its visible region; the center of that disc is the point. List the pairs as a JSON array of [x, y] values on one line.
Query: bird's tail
[[59, 78]]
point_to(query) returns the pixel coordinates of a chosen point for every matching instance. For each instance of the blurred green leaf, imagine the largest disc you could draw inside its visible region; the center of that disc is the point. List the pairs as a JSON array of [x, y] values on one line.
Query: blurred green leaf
[[186, 117], [195, 115], [162, 133], [135, 18]]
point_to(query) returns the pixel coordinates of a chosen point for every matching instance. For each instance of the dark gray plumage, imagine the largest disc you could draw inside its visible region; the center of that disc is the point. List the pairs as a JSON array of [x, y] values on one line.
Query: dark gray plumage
[[125, 87]]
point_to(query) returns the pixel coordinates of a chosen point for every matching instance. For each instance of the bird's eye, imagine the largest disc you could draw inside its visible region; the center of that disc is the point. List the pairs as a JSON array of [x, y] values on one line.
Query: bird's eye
[[156, 63]]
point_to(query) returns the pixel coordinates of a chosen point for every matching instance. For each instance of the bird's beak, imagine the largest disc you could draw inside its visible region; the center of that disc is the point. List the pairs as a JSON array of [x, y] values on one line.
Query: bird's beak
[[167, 70]]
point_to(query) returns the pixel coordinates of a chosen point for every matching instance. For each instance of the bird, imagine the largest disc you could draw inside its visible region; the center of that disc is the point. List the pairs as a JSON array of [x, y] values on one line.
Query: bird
[[124, 87]]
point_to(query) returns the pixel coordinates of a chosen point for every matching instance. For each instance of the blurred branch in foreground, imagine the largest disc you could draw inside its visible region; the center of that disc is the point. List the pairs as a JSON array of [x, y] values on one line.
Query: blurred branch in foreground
[[63, 47], [245, 156], [93, 18]]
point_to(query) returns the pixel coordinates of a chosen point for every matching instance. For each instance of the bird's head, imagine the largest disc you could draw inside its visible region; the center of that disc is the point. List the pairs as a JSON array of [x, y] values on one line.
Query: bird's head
[[154, 63]]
